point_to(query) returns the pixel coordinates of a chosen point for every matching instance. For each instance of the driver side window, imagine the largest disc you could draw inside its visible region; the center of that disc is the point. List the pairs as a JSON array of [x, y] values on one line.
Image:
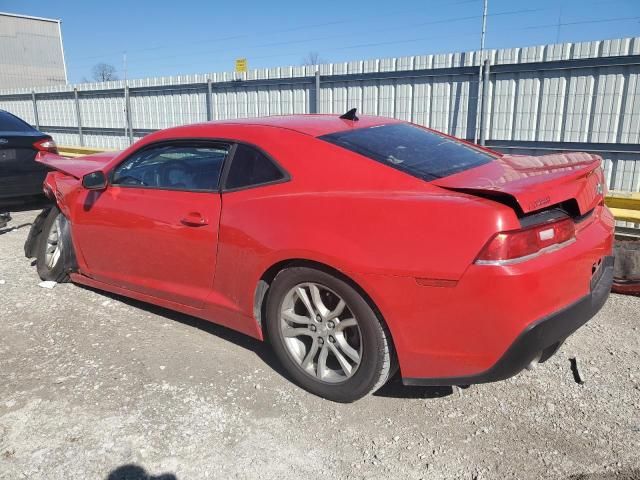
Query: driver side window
[[193, 167]]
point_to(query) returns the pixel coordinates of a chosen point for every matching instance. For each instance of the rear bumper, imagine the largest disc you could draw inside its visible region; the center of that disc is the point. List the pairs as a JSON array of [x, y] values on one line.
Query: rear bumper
[[21, 187], [540, 339], [25, 185], [24, 203], [462, 329]]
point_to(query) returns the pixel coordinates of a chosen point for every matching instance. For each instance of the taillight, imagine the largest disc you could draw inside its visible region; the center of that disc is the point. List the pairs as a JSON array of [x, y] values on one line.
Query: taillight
[[518, 245], [46, 145]]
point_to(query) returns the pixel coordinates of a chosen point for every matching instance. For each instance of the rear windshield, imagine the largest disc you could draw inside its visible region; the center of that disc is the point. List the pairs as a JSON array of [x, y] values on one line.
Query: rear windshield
[[413, 150], [11, 123]]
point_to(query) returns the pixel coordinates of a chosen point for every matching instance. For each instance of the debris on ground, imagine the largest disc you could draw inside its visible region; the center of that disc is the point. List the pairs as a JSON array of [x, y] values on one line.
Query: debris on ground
[[48, 284], [578, 374], [627, 266]]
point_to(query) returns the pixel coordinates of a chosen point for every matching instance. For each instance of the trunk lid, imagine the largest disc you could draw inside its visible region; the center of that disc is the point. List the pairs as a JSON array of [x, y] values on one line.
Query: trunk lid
[[79, 166], [535, 183]]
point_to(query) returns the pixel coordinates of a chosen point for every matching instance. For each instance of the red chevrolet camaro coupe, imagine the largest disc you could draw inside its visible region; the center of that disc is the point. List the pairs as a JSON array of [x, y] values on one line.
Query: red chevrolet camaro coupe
[[355, 246]]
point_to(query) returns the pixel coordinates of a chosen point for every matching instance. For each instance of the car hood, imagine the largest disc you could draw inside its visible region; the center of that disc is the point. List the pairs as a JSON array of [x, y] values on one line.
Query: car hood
[[535, 182], [79, 166]]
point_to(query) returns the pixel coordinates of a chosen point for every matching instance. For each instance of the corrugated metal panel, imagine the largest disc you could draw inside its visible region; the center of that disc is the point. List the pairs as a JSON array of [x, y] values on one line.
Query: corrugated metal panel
[[100, 110], [57, 111], [30, 52], [20, 108]]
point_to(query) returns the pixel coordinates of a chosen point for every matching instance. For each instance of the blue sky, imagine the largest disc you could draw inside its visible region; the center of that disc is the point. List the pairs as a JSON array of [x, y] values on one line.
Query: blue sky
[[170, 38]]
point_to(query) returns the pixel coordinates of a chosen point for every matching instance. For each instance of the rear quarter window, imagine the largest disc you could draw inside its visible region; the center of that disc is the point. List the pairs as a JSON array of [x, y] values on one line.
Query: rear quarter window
[[411, 149], [250, 168]]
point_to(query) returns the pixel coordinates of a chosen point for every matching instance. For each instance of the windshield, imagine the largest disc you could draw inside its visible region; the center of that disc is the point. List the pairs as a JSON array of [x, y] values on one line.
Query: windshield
[[413, 150]]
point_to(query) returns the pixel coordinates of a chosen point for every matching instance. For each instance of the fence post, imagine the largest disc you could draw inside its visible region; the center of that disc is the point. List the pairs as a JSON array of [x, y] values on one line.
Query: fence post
[[317, 106], [35, 109], [209, 100], [478, 116], [127, 114], [485, 101], [78, 116]]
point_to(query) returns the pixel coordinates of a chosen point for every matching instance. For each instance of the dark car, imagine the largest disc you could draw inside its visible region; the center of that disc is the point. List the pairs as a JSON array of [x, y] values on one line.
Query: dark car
[[21, 176]]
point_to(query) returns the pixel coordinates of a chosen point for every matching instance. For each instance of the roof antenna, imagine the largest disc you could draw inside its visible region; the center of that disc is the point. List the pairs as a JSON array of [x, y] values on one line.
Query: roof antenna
[[350, 115]]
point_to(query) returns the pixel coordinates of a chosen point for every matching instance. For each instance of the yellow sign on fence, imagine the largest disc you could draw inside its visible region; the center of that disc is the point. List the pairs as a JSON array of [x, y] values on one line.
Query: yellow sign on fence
[[241, 65]]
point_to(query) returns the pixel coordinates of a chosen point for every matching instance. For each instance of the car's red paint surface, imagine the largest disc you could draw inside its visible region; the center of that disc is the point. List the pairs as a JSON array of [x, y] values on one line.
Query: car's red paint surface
[[393, 234]]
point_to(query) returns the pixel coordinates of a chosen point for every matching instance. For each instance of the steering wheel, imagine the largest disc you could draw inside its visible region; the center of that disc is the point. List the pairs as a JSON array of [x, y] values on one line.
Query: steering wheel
[[130, 180], [174, 166]]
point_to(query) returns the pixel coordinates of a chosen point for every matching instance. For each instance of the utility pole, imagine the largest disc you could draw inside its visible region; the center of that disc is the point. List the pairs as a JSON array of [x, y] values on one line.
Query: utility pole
[[479, 106], [559, 23], [128, 129], [124, 66]]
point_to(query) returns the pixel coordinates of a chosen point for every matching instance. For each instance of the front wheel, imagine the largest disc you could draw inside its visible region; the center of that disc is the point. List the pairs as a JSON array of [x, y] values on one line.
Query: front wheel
[[53, 249], [326, 335]]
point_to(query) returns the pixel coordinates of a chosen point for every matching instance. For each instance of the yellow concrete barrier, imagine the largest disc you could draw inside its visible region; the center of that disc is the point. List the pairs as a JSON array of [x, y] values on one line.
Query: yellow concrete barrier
[[625, 206], [78, 151], [626, 215]]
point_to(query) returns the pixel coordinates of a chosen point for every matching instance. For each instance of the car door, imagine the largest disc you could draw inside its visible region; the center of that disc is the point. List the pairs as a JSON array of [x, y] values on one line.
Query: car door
[[154, 229]]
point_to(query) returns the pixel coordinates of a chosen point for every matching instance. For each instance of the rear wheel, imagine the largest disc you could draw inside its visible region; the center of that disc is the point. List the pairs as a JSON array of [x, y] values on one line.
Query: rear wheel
[[326, 335], [53, 250]]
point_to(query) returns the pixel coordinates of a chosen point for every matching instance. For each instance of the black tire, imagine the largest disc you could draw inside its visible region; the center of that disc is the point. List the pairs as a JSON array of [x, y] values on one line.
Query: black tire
[[56, 272], [377, 356], [31, 244]]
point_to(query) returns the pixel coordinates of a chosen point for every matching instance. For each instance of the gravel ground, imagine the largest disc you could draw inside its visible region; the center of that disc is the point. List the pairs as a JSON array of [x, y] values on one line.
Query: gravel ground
[[94, 386]]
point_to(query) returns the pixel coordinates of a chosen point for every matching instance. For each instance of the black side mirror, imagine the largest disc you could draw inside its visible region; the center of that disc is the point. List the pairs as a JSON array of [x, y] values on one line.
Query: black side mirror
[[94, 181]]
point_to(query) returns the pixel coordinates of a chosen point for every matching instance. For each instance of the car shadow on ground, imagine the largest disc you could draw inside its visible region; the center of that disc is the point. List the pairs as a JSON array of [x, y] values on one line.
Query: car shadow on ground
[[261, 349], [136, 472], [393, 389]]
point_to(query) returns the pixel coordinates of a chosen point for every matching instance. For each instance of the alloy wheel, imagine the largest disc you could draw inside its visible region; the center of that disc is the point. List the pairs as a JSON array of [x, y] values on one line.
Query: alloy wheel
[[321, 332], [53, 249]]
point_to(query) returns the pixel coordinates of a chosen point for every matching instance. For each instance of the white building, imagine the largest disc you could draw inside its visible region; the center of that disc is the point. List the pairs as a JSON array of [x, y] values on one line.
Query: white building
[[31, 52]]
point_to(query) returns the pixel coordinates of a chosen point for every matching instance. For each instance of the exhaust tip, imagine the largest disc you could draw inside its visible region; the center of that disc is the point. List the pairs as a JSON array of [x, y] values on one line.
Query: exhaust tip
[[534, 361]]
